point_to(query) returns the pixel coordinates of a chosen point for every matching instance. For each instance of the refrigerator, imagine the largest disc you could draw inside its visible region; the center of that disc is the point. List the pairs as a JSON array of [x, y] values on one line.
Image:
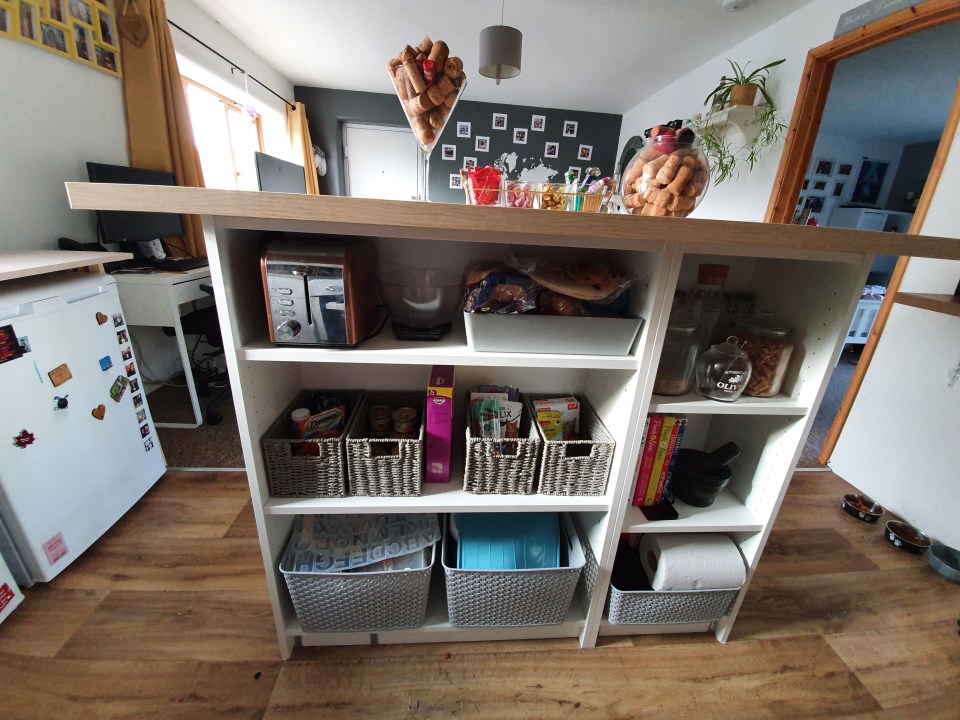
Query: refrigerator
[[77, 444]]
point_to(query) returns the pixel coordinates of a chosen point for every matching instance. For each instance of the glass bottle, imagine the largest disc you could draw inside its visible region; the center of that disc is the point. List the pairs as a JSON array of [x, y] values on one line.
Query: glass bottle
[[723, 371], [705, 304], [679, 355]]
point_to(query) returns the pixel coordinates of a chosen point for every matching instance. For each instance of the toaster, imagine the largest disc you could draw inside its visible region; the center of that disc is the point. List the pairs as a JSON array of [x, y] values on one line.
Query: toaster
[[319, 291]]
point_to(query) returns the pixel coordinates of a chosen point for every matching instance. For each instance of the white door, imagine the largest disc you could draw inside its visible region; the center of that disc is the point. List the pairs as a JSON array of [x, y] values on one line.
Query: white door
[[381, 162]]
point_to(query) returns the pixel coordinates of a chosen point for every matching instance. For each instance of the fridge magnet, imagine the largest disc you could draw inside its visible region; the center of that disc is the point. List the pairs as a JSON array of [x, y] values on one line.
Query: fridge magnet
[[463, 129], [520, 136], [585, 152], [24, 343], [99, 411], [106, 363], [449, 152], [118, 320], [551, 150], [122, 337], [141, 415], [134, 385], [482, 144], [118, 388], [6, 594], [101, 318], [499, 121], [569, 128], [137, 400], [456, 182], [538, 123], [59, 375], [469, 163], [131, 369], [60, 403], [24, 439], [148, 445], [144, 430], [55, 548], [10, 347], [126, 353]]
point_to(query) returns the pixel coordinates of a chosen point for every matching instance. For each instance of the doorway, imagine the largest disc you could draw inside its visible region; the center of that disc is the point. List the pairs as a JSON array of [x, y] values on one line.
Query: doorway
[[381, 162]]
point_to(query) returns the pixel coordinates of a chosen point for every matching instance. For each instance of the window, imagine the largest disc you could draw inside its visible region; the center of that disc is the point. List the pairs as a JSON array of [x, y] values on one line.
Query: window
[[226, 138]]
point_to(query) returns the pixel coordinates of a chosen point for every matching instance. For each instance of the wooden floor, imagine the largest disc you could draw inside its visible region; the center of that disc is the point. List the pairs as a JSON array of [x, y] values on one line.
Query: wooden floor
[[167, 617]]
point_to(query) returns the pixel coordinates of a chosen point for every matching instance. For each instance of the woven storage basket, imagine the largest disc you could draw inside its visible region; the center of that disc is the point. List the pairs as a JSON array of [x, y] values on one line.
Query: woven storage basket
[[510, 473], [357, 601], [575, 467], [316, 476], [499, 598], [389, 474]]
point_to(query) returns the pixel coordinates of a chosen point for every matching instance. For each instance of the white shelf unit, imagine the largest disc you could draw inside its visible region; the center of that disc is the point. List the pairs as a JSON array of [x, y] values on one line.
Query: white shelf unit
[[816, 290]]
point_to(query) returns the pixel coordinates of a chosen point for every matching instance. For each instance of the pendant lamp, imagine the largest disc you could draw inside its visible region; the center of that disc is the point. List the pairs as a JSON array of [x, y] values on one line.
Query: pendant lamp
[[500, 47]]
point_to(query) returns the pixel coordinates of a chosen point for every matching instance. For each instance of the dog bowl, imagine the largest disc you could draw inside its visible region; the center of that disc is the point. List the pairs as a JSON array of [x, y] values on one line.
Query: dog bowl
[[906, 537], [862, 508], [946, 561]]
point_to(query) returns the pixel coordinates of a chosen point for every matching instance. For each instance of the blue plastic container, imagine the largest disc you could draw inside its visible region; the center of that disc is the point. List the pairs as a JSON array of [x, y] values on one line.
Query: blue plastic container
[[508, 541]]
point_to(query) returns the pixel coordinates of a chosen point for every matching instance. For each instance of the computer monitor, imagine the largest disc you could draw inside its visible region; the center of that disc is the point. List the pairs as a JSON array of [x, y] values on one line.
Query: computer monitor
[[132, 227], [276, 175]]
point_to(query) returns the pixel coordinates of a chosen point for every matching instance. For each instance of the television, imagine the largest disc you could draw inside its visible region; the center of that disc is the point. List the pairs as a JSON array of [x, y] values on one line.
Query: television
[[276, 175], [131, 227]]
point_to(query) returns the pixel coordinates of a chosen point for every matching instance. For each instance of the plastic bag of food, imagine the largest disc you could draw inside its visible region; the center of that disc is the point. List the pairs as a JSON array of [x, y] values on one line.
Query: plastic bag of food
[[498, 289], [586, 279]]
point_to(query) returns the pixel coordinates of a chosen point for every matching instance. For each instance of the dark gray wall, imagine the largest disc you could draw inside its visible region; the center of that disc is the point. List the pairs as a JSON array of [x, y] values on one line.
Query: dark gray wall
[[911, 174], [327, 110]]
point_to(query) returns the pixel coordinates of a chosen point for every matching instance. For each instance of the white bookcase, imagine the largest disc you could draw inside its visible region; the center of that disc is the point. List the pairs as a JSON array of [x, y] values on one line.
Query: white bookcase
[[793, 271]]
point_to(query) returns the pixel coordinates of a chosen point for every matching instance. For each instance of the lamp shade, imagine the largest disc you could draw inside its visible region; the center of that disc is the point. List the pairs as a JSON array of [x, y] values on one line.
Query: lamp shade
[[500, 47]]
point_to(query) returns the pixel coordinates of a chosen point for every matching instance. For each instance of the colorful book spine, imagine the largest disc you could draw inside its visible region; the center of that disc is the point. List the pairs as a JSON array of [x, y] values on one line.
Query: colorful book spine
[[665, 433], [678, 428], [645, 467]]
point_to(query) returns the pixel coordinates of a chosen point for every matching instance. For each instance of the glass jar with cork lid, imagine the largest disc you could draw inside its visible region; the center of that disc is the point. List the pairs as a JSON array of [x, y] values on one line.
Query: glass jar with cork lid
[[678, 357], [768, 342]]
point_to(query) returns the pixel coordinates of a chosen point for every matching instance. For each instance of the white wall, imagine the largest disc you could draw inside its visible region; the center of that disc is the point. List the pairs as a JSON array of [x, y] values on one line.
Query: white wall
[[202, 66], [792, 38], [57, 114]]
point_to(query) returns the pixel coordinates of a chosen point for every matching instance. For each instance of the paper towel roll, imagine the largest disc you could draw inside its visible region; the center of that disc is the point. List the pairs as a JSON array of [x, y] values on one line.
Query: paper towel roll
[[691, 561]]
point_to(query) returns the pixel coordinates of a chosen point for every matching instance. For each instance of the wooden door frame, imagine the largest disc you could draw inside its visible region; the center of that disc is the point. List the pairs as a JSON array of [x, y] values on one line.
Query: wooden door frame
[[802, 136]]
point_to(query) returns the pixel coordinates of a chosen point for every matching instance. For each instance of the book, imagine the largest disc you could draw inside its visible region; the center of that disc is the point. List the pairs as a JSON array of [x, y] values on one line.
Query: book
[[665, 433], [678, 430], [647, 456]]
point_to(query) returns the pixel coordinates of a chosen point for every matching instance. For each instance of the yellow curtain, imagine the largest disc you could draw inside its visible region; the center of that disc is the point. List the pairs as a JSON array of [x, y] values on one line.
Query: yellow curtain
[[301, 145], [159, 134]]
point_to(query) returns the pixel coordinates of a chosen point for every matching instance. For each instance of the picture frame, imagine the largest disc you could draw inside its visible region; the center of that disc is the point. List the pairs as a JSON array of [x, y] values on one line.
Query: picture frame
[[7, 21], [499, 121], [54, 38], [806, 183], [577, 172], [56, 12], [800, 200], [844, 169], [456, 182], [866, 191], [469, 162], [138, 400], [819, 185], [482, 144], [520, 136], [81, 11], [823, 167], [551, 150], [585, 152], [107, 28], [837, 189], [538, 123], [570, 128], [83, 45], [135, 384], [106, 58], [814, 203], [448, 152], [463, 129], [28, 22]]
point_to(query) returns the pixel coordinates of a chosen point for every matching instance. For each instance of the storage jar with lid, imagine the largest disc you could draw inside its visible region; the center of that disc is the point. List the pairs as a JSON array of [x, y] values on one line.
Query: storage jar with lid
[[679, 355], [769, 344], [723, 371]]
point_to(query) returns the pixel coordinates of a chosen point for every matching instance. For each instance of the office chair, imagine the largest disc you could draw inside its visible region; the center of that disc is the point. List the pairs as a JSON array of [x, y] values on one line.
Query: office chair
[[204, 323]]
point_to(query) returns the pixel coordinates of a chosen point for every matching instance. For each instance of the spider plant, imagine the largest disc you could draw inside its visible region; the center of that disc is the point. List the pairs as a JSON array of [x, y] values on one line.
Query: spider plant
[[720, 95]]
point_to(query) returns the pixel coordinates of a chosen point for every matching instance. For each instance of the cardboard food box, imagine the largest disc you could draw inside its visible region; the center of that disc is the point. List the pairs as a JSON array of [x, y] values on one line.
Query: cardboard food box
[[439, 423], [568, 407]]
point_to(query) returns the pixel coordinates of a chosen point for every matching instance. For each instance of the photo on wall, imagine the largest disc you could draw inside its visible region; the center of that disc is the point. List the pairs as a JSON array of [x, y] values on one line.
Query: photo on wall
[[55, 10], [520, 136], [575, 171], [482, 144], [456, 182], [108, 27], [83, 42], [551, 150], [820, 185], [54, 37], [538, 123], [823, 167], [569, 128], [499, 121], [469, 163], [463, 129], [837, 189], [844, 169], [585, 152], [869, 181], [4, 21], [449, 152], [814, 203]]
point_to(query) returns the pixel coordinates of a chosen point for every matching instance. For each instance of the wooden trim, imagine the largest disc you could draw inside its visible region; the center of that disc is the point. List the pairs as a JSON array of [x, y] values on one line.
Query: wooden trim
[[815, 86], [893, 287], [945, 304]]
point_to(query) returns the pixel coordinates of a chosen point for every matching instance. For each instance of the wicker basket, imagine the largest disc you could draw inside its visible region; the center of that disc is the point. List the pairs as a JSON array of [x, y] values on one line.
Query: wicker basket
[[500, 598], [511, 472], [576, 467], [386, 467], [290, 474], [358, 601]]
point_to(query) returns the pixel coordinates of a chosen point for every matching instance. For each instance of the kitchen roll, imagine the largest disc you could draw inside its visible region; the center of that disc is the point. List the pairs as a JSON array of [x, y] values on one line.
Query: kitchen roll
[[691, 561]]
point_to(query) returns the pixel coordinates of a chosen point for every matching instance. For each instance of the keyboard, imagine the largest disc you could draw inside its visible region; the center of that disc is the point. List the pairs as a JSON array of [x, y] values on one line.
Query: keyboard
[[176, 264]]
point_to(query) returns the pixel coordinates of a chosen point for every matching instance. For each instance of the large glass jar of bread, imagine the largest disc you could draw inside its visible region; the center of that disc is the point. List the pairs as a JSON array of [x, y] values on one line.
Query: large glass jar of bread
[[668, 176], [769, 345]]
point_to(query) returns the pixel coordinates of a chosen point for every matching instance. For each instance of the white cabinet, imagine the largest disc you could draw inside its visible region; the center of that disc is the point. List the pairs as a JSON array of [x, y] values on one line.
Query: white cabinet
[[870, 219]]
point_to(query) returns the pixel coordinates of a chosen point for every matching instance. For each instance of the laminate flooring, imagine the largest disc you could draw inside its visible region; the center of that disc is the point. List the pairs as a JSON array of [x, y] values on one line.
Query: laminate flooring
[[167, 617]]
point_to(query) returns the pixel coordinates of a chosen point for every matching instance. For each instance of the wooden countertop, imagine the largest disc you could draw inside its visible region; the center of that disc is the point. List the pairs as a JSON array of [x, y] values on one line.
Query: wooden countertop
[[390, 218], [25, 263], [946, 304]]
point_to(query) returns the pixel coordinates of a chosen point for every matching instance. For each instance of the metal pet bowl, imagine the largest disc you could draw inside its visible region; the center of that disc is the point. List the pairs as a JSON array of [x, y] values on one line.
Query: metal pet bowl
[[862, 507], [946, 561], [906, 537]]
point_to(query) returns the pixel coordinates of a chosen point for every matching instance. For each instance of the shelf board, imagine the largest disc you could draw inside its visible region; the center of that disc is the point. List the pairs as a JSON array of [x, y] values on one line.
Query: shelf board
[[739, 116], [452, 349], [27, 263], [946, 304], [727, 514], [694, 404], [439, 498]]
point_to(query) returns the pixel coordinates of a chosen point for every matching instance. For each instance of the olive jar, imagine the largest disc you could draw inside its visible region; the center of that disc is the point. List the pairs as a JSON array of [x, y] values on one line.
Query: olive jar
[[769, 344], [676, 370], [723, 371]]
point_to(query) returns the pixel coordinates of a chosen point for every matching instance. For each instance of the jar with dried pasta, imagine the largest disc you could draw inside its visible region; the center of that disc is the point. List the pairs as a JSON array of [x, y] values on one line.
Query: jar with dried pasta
[[769, 344]]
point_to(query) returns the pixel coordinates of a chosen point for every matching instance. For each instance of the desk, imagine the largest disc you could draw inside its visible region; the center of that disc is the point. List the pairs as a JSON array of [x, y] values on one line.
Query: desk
[[156, 300]]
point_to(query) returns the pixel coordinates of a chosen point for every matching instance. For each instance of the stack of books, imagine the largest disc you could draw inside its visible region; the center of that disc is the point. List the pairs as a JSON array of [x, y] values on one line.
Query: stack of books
[[658, 457]]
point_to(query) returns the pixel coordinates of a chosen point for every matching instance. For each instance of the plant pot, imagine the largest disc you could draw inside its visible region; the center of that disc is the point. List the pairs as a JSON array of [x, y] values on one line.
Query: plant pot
[[743, 94]]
